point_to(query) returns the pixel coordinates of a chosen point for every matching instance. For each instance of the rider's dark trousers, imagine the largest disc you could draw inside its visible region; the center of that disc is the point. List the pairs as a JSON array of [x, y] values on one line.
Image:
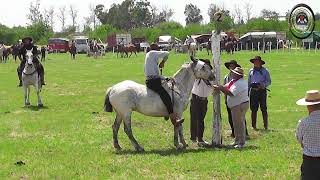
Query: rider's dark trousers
[[155, 85]]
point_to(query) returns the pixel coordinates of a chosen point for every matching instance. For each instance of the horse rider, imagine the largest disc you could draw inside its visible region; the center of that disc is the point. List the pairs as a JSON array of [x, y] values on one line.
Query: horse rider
[[27, 44], [189, 40], [153, 79]]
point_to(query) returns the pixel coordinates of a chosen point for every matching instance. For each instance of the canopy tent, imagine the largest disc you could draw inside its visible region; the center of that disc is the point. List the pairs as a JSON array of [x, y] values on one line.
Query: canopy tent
[[168, 39]]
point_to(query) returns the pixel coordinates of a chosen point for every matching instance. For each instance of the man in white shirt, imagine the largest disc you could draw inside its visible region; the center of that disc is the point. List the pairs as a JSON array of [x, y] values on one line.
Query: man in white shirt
[[198, 108], [308, 135], [153, 79], [238, 101]]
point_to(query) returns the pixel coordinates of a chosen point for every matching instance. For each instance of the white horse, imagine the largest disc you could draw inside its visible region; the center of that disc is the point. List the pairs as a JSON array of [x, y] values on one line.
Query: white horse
[[30, 77], [2, 49], [128, 96]]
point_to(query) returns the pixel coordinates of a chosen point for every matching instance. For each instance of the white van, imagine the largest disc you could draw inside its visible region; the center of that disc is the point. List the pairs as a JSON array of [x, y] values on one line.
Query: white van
[[81, 43]]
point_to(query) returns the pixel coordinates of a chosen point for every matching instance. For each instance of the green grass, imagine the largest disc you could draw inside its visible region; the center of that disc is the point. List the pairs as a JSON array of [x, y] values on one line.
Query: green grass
[[71, 137]]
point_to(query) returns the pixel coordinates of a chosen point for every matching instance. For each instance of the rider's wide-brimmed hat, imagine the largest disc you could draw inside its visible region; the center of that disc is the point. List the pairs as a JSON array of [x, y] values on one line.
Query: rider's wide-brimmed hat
[[27, 39], [312, 98], [258, 58]]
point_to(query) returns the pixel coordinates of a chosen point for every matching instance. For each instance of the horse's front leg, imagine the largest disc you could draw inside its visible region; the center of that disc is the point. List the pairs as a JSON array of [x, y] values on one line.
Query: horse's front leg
[[26, 101], [26, 95], [181, 137], [37, 87]]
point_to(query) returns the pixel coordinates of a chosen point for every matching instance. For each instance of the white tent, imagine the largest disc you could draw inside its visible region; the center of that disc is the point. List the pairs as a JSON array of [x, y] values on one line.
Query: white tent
[[168, 39]]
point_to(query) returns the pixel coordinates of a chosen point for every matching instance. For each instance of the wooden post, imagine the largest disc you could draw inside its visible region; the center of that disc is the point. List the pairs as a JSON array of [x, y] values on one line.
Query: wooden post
[[258, 46], [217, 125], [252, 46]]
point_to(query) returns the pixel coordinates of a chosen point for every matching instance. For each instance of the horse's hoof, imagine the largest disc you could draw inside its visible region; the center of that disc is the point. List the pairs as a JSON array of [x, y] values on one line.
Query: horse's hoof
[[180, 147], [117, 147], [140, 149], [40, 105], [27, 104]]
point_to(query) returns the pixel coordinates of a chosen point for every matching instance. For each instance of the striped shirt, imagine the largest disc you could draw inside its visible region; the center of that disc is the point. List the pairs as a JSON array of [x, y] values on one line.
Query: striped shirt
[[308, 134]]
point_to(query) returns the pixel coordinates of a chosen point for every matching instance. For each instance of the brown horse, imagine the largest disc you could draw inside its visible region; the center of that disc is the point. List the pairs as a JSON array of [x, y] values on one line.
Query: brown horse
[[124, 50]]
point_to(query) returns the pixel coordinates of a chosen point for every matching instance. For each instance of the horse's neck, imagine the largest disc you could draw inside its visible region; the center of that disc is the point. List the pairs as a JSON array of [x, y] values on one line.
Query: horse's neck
[[184, 80]]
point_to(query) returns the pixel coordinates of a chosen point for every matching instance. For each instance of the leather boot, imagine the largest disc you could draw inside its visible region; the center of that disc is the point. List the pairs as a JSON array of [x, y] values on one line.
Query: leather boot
[[254, 120], [265, 119]]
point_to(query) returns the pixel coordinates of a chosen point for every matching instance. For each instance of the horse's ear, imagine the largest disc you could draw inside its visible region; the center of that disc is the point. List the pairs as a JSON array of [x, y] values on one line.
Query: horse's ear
[[193, 59]]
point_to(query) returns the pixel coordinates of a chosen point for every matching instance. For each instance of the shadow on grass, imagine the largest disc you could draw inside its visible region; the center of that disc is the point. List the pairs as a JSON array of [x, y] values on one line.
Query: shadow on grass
[[35, 108], [175, 152]]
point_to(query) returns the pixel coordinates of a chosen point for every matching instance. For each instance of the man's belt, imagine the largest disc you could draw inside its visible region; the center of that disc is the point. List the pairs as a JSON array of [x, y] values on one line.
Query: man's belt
[[152, 77], [258, 89], [199, 98], [310, 157]]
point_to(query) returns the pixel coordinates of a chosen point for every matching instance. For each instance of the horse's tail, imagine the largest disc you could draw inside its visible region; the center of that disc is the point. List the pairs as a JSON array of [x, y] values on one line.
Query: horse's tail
[[107, 104]]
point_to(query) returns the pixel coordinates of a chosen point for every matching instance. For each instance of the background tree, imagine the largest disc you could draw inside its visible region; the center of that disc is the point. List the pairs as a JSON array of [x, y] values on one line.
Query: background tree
[[73, 14], [238, 14], [62, 17], [269, 14], [35, 16], [193, 14], [248, 10]]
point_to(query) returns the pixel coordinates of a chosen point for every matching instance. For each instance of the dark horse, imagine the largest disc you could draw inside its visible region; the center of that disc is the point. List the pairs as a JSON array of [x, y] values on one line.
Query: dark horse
[[125, 50]]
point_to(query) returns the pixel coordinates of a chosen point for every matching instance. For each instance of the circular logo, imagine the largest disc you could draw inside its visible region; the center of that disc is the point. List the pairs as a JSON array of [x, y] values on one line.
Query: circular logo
[[301, 21]]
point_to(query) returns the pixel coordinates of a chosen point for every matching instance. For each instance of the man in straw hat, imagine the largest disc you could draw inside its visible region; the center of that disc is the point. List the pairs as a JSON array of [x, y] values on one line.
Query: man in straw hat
[[258, 81], [154, 78], [238, 101], [308, 135], [231, 65]]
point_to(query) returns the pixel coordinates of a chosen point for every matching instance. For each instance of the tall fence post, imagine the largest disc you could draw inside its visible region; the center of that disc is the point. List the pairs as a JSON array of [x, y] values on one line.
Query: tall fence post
[[216, 126]]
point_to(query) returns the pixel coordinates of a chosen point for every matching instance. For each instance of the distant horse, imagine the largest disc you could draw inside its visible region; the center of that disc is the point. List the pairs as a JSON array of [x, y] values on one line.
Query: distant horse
[[6, 53], [208, 47], [124, 50], [2, 49], [229, 47], [128, 96], [30, 77], [15, 52]]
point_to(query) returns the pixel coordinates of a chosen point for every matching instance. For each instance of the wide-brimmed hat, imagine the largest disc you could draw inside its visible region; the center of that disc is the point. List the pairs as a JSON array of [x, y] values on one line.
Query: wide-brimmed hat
[[238, 70], [257, 58], [27, 38], [227, 64], [312, 97]]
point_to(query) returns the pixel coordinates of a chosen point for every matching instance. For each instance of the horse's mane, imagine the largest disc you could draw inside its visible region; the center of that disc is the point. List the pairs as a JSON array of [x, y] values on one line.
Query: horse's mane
[[183, 67]]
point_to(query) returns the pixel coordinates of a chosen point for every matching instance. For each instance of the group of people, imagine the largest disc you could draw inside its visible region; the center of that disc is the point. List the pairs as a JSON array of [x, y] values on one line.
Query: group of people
[[240, 95]]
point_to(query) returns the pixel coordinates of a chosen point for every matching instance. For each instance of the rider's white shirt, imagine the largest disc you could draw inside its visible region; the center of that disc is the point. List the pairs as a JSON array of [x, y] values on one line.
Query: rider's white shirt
[[152, 61]]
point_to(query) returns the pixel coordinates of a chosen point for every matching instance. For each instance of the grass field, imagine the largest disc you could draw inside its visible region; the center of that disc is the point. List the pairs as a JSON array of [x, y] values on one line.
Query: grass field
[[71, 137]]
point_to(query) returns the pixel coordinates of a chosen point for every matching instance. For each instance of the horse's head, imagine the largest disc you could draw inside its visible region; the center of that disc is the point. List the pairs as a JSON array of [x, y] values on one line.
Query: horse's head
[[29, 57], [202, 69]]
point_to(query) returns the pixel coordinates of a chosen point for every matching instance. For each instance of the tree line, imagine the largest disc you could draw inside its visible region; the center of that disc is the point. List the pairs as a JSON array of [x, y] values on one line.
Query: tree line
[[141, 19]]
